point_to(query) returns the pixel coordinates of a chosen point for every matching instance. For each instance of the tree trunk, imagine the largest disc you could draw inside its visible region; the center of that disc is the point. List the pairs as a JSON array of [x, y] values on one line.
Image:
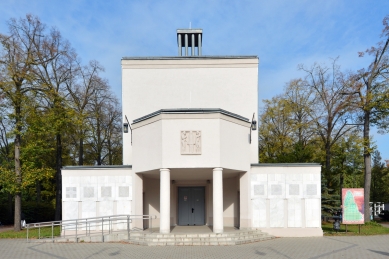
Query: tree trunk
[[58, 178], [99, 144], [328, 162], [81, 152], [341, 178], [18, 195], [18, 169], [110, 160], [38, 191], [367, 160]]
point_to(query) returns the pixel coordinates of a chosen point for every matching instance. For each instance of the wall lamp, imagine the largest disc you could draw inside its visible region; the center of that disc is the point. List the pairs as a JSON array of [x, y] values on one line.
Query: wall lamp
[[253, 125], [127, 125]]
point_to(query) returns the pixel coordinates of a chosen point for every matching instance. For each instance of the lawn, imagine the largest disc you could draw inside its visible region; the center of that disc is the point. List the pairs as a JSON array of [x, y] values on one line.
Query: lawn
[[32, 233], [370, 228]]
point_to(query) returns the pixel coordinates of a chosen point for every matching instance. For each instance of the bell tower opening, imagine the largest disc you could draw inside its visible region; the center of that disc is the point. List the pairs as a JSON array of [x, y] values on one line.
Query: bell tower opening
[[189, 38]]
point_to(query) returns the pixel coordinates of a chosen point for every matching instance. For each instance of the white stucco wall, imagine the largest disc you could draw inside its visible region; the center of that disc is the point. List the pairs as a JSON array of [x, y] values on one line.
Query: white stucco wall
[[94, 192], [231, 202], [286, 199], [149, 85], [224, 142]]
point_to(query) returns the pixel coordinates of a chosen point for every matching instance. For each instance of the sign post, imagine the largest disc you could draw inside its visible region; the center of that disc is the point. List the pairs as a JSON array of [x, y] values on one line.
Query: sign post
[[353, 206]]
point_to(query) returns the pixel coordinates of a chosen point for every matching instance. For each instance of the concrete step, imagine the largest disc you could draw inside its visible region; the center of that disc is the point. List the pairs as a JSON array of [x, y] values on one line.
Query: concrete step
[[234, 238], [155, 239]]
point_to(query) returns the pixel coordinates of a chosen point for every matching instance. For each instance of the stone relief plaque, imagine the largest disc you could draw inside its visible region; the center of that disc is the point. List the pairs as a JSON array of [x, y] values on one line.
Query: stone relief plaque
[[71, 192], [124, 191], [311, 189], [276, 189], [190, 142], [89, 192], [294, 189], [106, 191], [259, 189]]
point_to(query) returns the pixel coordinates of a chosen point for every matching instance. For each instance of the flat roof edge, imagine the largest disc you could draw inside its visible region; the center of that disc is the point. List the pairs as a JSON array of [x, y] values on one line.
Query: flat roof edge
[[285, 165], [191, 111], [190, 57], [88, 167]]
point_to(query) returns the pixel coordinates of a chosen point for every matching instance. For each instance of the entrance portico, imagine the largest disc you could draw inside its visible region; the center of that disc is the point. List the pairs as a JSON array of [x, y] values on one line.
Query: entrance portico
[[192, 198], [196, 148], [187, 197]]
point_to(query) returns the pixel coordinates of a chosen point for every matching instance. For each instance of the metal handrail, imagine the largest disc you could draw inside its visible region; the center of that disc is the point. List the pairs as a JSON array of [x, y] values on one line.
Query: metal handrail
[[78, 225]]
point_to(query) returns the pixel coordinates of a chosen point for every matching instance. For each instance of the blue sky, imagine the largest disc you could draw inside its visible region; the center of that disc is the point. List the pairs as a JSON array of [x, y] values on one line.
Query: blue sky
[[282, 33]]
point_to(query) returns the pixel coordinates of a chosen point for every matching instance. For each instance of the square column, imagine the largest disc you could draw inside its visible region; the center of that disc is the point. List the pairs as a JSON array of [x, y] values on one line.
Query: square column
[[164, 205], [218, 200], [137, 204]]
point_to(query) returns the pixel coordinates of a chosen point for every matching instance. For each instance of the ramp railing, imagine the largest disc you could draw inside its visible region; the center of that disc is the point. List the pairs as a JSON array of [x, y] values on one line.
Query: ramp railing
[[96, 226]]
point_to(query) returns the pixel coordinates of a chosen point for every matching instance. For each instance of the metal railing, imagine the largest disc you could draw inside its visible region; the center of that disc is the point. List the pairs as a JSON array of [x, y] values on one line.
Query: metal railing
[[95, 226]]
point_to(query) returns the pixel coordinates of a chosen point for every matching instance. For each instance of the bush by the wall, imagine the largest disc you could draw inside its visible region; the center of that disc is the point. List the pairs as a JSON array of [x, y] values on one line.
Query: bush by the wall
[[38, 212], [6, 218], [385, 215], [32, 211]]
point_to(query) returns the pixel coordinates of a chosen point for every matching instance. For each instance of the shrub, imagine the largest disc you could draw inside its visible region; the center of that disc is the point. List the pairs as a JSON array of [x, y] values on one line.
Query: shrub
[[33, 212], [38, 212], [384, 215]]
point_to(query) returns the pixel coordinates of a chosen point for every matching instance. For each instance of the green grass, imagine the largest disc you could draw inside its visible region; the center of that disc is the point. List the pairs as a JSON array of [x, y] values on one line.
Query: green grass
[[370, 228], [32, 233]]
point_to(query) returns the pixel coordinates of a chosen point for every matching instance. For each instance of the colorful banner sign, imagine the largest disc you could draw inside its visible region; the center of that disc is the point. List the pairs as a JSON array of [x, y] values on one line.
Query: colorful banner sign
[[353, 206]]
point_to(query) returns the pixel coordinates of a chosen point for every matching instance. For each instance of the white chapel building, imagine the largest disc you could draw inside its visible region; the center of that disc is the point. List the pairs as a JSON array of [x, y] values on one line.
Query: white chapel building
[[190, 152]]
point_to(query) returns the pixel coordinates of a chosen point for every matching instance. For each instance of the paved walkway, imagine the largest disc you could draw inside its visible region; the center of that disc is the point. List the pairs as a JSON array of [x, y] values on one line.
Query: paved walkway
[[319, 247]]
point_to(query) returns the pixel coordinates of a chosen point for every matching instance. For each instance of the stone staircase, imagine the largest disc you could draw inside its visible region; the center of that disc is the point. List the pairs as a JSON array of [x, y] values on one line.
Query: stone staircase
[[236, 237], [180, 236]]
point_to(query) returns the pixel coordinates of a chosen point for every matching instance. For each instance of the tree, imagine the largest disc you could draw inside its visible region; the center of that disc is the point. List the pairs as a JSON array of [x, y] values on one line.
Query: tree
[[17, 59], [285, 132], [56, 62], [370, 88], [85, 83], [274, 130], [103, 119], [330, 108], [48, 98], [5, 145], [379, 179], [347, 161]]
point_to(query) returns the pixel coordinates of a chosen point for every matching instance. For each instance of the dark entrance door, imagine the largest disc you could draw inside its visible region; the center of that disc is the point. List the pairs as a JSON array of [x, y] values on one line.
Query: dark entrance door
[[191, 206]]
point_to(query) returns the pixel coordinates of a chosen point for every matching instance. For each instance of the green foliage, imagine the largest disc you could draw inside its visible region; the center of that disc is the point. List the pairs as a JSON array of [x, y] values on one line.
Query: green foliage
[[38, 212], [373, 223], [32, 233], [368, 229], [330, 202], [44, 112], [8, 179], [379, 180], [384, 215], [286, 129], [33, 212], [6, 212]]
